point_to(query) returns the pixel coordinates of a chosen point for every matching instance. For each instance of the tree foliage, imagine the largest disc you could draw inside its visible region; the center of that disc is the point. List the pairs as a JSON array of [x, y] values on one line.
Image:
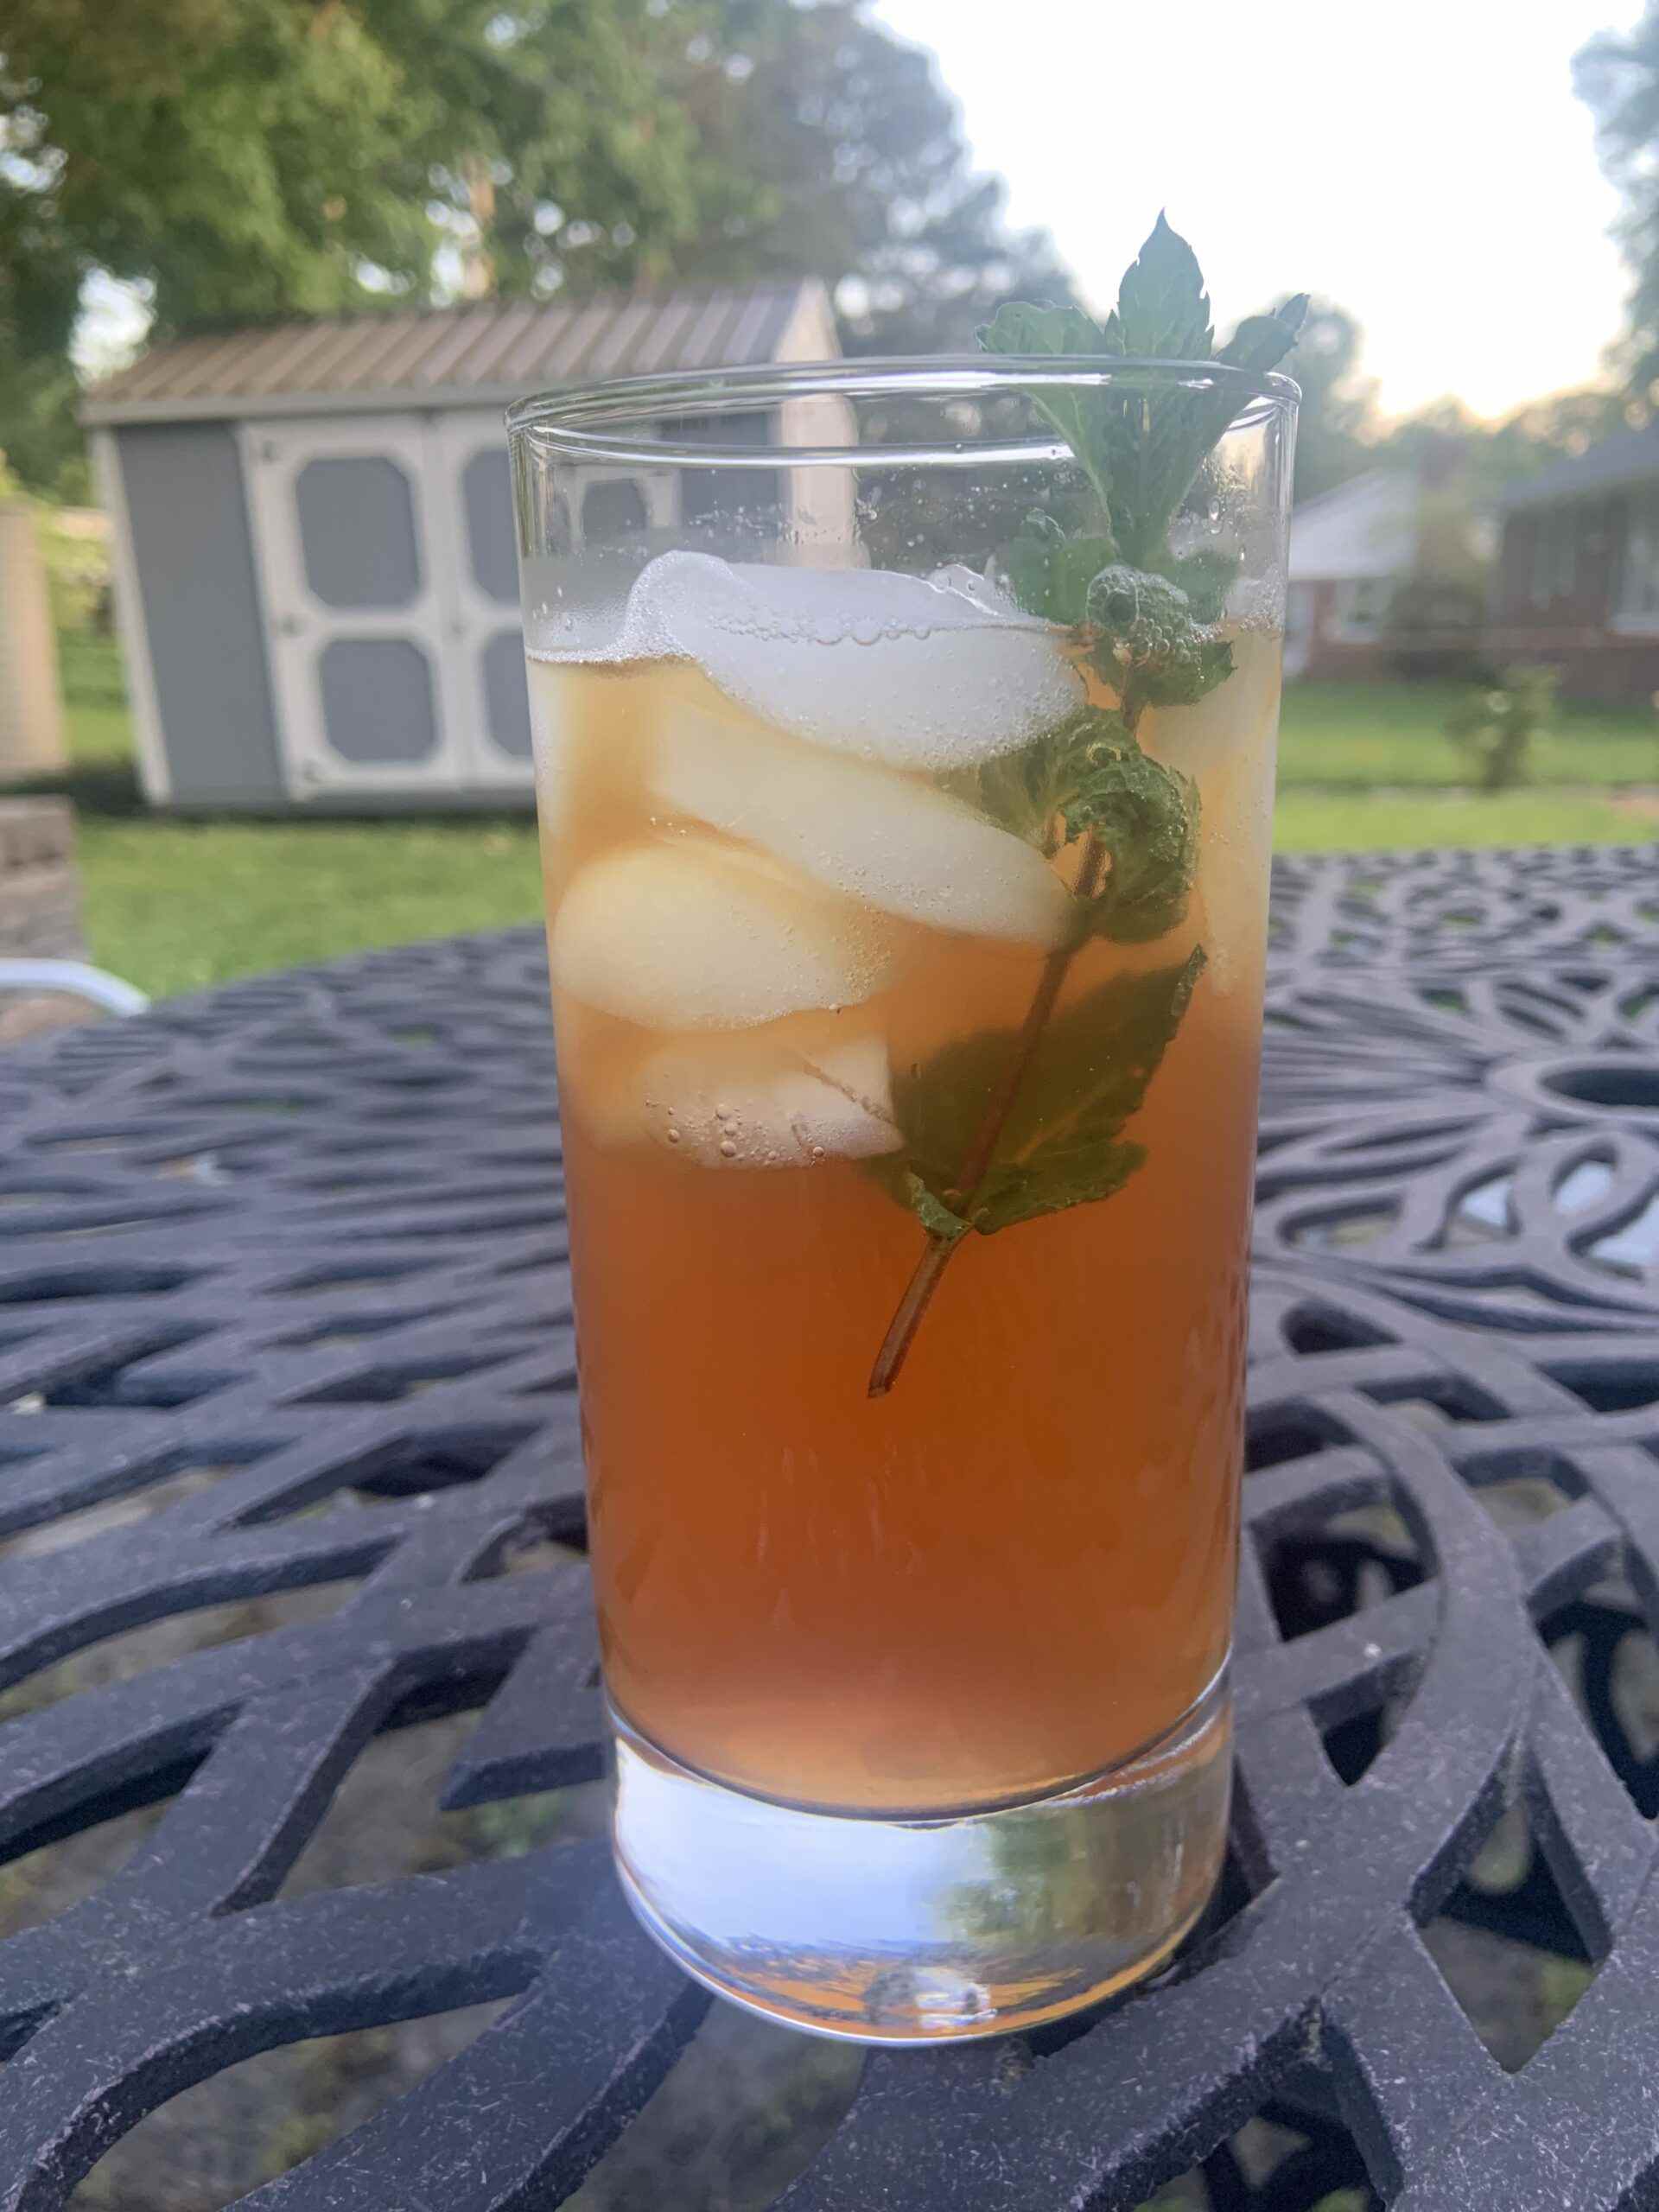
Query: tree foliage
[[239, 159], [855, 170], [1337, 423], [1616, 74]]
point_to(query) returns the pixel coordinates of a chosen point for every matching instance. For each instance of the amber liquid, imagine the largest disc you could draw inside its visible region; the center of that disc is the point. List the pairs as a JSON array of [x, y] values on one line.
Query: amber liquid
[[1016, 1568]]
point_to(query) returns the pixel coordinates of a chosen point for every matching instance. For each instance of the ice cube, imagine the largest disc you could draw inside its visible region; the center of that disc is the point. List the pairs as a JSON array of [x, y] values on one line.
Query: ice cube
[[917, 673], [887, 839], [791, 1096], [687, 933]]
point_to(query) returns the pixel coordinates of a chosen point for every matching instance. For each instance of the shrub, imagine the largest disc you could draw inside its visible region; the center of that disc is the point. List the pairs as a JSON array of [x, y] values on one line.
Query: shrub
[[1494, 727]]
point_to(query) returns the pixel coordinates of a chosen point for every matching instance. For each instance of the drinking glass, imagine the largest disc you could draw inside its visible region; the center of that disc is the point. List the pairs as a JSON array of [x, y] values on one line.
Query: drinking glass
[[908, 1086]]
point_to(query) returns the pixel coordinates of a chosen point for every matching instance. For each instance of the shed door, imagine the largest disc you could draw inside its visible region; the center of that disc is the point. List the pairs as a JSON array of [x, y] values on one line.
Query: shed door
[[344, 521], [475, 551]]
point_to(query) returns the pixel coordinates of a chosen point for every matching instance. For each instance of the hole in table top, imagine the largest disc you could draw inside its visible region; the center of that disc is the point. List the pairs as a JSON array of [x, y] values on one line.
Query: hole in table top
[[385, 1820], [224, 2137], [1632, 1248], [352, 1275], [1632, 1084], [1430, 1400], [747, 2109], [1285, 2159], [1483, 1212], [1353, 1560], [1278, 1434], [395, 1380], [1315, 1325], [1510, 1948], [1329, 1226], [1609, 1660], [1611, 1382], [126, 1381], [1581, 1186], [405, 1465], [75, 1856], [104, 1660], [59, 1286], [166, 1485], [1517, 1502]]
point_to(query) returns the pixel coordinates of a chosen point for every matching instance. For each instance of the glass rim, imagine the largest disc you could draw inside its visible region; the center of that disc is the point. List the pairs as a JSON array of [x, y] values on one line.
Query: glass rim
[[569, 423]]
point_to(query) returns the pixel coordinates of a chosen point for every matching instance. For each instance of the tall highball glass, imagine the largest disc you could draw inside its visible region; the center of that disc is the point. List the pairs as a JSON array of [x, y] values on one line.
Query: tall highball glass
[[906, 847]]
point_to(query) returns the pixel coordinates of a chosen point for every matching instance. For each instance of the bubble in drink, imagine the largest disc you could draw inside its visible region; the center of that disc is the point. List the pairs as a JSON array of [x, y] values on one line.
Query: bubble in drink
[[791, 1095]]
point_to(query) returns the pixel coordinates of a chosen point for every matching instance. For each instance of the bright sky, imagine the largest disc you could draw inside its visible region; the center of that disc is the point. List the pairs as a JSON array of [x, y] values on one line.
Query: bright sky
[[1423, 163]]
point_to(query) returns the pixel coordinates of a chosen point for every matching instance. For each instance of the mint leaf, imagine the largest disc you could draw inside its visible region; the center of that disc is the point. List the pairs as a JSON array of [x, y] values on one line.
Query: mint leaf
[[1061, 1144], [1049, 572], [1184, 683], [1021, 328], [1148, 644], [1023, 1191], [1141, 450], [1163, 310], [1079, 416], [1147, 816], [1262, 341]]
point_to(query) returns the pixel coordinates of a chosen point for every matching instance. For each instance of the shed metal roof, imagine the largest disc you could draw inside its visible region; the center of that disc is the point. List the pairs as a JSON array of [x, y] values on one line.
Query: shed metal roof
[[470, 356], [1628, 457]]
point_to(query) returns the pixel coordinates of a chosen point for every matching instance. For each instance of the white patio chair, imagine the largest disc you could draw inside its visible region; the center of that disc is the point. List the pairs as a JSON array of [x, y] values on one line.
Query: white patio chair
[[76, 979]]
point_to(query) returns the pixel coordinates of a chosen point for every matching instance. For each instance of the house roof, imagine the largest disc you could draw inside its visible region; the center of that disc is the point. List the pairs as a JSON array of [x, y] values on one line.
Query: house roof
[[1367, 527], [1628, 457], [472, 356]]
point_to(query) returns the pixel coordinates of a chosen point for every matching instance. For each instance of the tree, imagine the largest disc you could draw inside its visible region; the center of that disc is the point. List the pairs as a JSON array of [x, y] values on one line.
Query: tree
[[854, 170], [1617, 75], [242, 158], [1337, 419]]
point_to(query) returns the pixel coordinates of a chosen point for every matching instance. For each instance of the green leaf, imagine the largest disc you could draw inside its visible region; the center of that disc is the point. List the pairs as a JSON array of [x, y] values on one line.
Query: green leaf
[[1163, 310], [1184, 683], [1079, 416], [1050, 572], [1147, 816], [1062, 1143], [1147, 642], [1262, 341], [1021, 328]]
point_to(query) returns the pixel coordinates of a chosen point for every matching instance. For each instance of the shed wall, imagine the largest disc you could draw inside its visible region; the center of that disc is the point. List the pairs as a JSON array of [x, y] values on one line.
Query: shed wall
[[193, 562]]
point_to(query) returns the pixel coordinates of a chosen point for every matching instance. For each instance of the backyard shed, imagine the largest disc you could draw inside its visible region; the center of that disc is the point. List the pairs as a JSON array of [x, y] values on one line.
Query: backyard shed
[[315, 577]]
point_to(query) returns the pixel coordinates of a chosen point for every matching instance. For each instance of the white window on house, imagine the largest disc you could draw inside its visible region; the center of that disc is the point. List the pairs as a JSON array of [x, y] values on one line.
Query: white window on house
[[1362, 607], [1637, 598]]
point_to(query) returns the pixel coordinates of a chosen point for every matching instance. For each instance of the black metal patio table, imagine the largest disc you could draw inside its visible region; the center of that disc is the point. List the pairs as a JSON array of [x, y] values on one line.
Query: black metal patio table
[[283, 1324]]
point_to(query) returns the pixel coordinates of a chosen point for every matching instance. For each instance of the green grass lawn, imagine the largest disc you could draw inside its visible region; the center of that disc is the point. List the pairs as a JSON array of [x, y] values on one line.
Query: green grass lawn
[[1356, 736], [177, 903]]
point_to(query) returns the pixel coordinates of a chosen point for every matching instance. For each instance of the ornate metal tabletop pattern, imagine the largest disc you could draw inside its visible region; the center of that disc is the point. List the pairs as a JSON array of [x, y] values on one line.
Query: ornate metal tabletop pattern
[[282, 1303]]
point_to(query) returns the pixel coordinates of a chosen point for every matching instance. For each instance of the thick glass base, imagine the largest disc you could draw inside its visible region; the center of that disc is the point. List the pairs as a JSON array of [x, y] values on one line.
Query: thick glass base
[[915, 1931]]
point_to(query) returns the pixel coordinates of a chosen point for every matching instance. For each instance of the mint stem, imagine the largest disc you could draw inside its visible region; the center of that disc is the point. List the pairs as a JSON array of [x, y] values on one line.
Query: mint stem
[[930, 1268]]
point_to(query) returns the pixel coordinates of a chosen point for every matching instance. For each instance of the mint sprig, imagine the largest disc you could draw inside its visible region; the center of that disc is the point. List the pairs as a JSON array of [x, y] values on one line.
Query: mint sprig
[[1140, 449], [1003, 1128], [1061, 1143]]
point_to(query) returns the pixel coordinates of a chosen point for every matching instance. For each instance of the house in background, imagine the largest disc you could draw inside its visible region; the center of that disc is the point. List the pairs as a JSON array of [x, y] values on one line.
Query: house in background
[[315, 575], [1578, 573], [1389, 572], [1349, 551]]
